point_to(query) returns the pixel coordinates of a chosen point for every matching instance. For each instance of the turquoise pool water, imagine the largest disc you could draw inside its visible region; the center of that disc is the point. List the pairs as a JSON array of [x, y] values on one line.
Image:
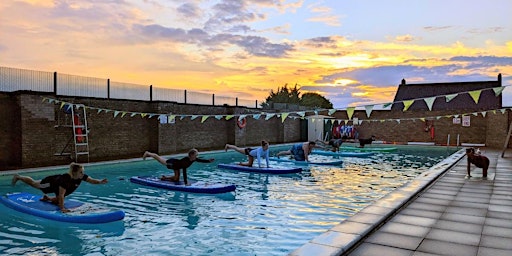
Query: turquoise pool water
[[267, 215]]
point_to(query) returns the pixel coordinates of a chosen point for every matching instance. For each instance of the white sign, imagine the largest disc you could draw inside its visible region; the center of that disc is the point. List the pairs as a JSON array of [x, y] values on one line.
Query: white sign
[[456, 120], [466, 121]]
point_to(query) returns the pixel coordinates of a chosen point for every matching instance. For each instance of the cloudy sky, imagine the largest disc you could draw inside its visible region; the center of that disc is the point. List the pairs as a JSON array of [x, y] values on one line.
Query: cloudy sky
[[352, 52]]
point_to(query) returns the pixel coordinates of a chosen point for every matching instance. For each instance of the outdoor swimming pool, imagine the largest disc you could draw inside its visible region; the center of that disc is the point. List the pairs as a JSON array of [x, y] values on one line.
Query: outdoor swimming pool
[[267, 215]]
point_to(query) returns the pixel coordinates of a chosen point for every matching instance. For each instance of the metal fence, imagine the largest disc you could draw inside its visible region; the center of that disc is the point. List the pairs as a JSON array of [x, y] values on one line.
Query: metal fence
[[14, 79]]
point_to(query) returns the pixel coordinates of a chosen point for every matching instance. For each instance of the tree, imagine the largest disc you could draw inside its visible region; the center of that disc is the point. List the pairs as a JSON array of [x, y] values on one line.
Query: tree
[[315, 100], [292, 96]]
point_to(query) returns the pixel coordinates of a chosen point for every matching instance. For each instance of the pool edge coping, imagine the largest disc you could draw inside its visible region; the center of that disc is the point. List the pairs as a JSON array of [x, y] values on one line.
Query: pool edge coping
[[347, 234]]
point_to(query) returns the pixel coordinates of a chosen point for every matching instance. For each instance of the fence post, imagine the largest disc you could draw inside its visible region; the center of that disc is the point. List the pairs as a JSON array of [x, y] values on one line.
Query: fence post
[[55, 83], [256, 104], [108, 88], [151, 93], [185, 97], [236, 101], [213, 99]]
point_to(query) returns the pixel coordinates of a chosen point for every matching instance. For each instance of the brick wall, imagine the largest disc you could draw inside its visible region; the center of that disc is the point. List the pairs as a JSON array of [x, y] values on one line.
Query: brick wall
[[32, 131]]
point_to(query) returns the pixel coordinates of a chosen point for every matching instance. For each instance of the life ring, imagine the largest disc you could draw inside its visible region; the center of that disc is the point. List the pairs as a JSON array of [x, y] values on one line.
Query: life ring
[[241, 123], [432, 132]]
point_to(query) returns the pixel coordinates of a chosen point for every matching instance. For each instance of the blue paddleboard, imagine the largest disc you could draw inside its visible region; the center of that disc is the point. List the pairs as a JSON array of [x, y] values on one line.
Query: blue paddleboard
[[343, 154], [80, 212], [368, 149], [271, 170], [194, 187], [287, 160]]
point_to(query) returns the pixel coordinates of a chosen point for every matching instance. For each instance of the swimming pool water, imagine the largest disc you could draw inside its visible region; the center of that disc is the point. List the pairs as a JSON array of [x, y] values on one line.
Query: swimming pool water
[[267, 215]]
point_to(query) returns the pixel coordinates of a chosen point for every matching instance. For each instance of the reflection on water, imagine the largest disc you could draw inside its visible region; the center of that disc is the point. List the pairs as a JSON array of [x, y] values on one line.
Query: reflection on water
[[267, 215]]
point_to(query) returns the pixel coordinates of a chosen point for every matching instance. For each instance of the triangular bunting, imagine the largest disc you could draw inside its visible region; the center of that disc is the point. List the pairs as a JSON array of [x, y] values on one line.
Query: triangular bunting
[[350, 112], [218, 117], [171, 118], [301, 114], [229, 117], [143, 115], [385, 105], [498, 90], [194, 117], [483, 113], [203, 118], [331, 111], [269, 116], [430, 102], [256, 116], [116, 113], [283, 116], [62, 104], [241, 117], [451, 97], [398, 120], [369, 110], [475, 95], [133, 114], [407, 104]]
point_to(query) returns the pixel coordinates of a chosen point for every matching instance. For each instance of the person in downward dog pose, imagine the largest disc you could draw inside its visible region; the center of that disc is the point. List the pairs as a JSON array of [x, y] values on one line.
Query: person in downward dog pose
[[252, 153], [363, 142], [477, 159], [178, 164], [61, 184], [299, 151]]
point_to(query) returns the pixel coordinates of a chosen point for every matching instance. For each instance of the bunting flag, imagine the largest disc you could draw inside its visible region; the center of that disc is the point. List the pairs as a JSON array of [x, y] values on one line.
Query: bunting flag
[[143, 115], [475, 95], [182, 116], [256, 116], [430, 102], [369, 110], [203, 118], [269, 116], [316, 112], [503, 110], [451, 97], [301, 114], [422, 119], [229, 117], [133, 114], [350, 112], [171, 118], [99, 110], [116, 113], [218, 117], [194, 117], [123, 114], [62, 104], [385, 105], [407, 104], [498, 90], [331, 111], [241, 117], [398, 120], [283, 116]]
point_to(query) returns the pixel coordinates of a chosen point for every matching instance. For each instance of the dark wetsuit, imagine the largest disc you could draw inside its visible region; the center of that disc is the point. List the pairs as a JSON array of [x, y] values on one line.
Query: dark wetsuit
[[336, 142], [183, 163], [61, 180]]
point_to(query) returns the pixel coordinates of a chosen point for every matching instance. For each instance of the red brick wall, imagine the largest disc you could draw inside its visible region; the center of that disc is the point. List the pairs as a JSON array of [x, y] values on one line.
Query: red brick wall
[[32, 131]]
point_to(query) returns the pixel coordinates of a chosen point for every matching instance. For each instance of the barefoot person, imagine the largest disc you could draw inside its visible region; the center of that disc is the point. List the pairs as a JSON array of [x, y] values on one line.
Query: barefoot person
[[61, 184], [363, 142], [252, 153], [478, 160], [178, 164], [299, 151]]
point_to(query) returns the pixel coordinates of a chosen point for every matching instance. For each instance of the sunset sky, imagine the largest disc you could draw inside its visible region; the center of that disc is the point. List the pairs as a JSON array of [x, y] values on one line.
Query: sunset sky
[[353, 52]]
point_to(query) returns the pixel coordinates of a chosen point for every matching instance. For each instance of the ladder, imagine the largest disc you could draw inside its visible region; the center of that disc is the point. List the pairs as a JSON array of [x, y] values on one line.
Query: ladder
[[80, 132]]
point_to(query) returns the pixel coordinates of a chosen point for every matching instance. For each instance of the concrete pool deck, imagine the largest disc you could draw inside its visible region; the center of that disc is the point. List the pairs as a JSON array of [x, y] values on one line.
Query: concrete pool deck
[[442, 212]]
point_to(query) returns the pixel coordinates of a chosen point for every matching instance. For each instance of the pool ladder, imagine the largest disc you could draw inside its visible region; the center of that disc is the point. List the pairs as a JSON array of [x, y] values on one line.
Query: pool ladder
[[80, 135]]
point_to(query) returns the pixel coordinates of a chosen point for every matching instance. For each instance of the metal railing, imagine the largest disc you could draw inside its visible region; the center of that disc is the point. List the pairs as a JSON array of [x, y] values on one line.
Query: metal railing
[[14, 79]]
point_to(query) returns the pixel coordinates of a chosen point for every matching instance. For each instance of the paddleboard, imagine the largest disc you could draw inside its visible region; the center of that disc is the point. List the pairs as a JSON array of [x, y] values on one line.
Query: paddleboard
[[369, 149], [271, 170], [343, 154], [80, 212], [287, 160], [194, 187]]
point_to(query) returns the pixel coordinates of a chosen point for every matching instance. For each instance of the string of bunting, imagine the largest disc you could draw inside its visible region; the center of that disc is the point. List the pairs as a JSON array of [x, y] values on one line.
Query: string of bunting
[[475, 95]]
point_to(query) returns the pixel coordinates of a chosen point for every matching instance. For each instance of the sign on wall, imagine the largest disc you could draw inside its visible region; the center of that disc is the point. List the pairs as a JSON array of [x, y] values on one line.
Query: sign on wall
[[466, 121]]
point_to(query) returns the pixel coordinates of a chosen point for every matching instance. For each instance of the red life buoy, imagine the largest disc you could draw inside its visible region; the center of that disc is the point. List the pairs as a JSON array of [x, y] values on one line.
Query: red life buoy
[[78, 131], [241, 123], [432, 132]]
